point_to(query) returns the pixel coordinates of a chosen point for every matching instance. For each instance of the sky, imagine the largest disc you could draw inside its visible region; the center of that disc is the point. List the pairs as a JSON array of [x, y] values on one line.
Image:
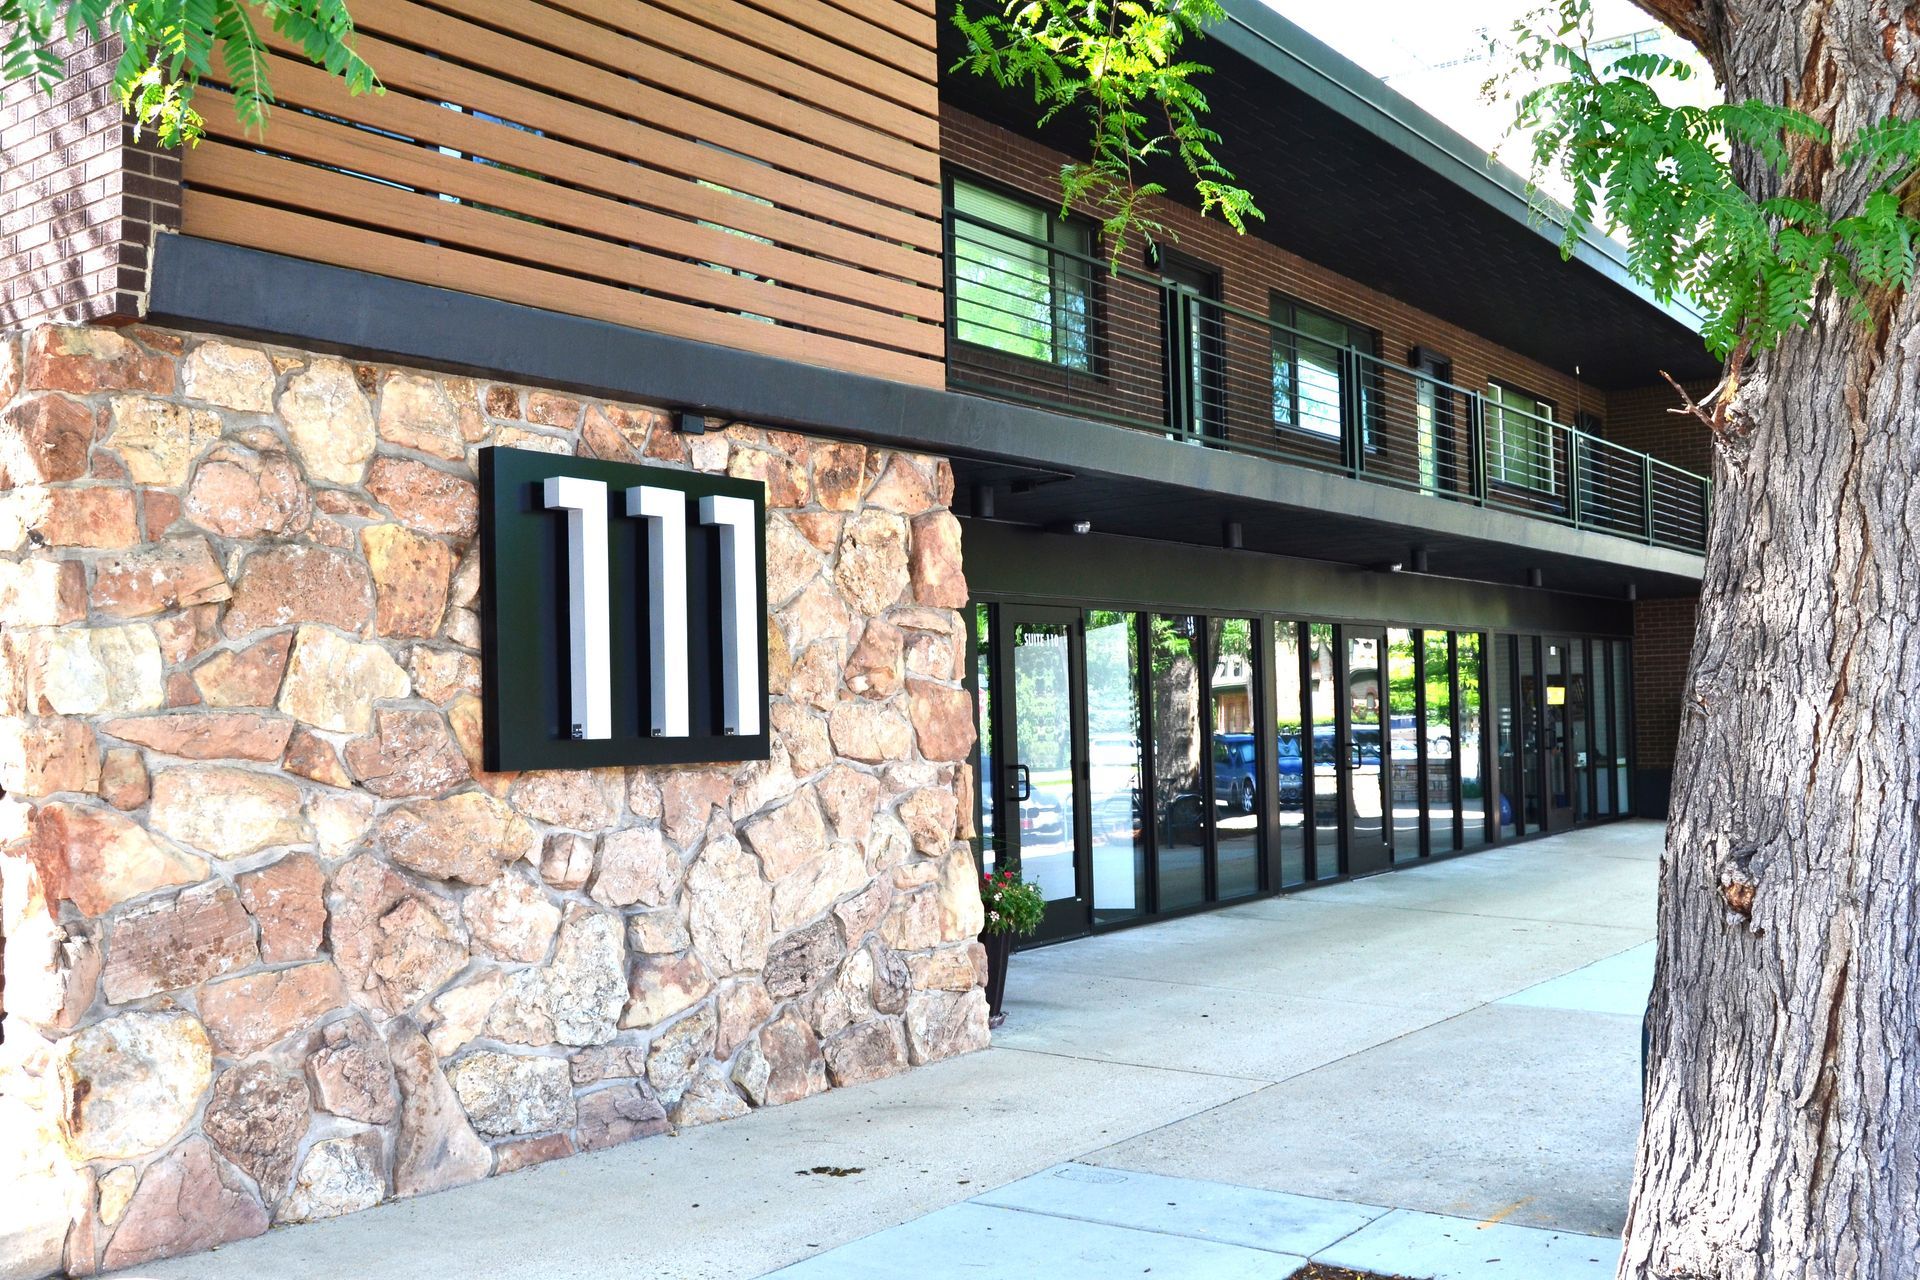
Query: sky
[[1437, 52]]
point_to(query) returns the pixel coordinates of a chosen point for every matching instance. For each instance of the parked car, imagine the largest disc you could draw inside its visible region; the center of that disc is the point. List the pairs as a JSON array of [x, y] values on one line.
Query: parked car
[[1235, 779], [1289, 768]]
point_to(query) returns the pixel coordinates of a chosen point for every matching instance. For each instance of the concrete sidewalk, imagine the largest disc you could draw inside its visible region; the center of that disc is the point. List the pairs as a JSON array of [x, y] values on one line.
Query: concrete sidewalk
[[1450, 1053]]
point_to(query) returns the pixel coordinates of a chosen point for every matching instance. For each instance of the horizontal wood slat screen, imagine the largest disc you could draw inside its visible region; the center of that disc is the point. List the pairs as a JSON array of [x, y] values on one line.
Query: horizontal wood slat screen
[[763, 174]]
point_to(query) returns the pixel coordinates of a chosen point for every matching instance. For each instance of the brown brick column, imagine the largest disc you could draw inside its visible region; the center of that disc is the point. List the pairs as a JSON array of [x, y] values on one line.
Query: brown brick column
[[1662, 642], [80, 200]]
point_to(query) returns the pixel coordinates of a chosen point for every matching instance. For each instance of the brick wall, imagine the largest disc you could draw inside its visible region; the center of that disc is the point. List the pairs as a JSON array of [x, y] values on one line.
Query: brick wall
[[79, 198], [1662, 643], [1639, 419]]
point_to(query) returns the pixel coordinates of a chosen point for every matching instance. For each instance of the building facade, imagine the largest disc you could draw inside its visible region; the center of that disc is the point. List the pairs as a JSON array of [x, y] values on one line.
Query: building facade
[[1216, 568]]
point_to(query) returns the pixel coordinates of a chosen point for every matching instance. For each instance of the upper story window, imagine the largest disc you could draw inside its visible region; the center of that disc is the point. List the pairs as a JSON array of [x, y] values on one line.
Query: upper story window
[[1520, 440], [1022, 278], [1309, 373]]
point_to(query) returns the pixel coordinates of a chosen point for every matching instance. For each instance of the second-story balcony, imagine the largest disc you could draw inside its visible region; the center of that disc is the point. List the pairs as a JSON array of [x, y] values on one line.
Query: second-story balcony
[[1034, 317]]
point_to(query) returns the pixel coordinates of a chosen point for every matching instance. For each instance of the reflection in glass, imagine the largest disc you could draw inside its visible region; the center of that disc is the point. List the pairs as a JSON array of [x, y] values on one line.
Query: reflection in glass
[[1404, 739], [1602, 733], [1528, 713], [983, 707], [1622, 728], [1577, 744], [1042, 784], [1236, 777], [1113, 766], [1437, 738], [1289, 765], [1325, 698], [1506, 727], [1179, 812], [1556, 714], [1366, 760], [1473, 784]]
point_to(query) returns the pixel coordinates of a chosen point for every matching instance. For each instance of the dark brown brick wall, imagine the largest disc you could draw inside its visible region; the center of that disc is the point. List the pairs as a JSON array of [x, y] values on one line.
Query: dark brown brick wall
[[79, 198], [1639, 419], [1662, 644]]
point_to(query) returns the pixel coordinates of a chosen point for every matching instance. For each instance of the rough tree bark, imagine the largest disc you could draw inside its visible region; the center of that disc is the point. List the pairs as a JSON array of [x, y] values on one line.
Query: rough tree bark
[[1782, 1132]]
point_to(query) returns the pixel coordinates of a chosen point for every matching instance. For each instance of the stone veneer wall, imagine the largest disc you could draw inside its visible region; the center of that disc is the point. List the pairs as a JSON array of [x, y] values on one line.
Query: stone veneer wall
[[277, 949]]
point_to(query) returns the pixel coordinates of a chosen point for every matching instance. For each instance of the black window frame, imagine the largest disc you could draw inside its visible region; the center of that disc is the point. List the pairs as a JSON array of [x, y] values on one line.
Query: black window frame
[[1088, 287], [1555, 461], [1359, 391]]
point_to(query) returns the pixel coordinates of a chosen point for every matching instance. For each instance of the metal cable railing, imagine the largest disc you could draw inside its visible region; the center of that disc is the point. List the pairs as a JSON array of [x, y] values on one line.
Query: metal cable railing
[[1033, 322]]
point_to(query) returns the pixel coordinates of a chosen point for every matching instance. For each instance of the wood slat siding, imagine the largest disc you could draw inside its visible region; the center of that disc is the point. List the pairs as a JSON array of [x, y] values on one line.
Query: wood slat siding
[[761, 175]]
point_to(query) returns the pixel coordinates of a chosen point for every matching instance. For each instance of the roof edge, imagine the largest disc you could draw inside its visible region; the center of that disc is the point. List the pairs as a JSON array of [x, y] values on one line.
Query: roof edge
[[1305, 62]]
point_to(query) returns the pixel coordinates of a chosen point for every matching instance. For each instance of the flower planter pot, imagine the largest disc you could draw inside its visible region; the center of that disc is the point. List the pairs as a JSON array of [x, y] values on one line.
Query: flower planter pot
[[999, 950]]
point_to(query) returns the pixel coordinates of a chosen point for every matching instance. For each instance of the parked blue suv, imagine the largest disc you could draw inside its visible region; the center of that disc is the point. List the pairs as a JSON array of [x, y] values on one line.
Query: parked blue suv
[[1236, 779]]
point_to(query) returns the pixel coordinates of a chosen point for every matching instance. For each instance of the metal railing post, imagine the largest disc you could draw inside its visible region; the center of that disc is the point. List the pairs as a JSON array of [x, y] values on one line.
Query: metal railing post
[[1646, 497], [1477, 445], [1573, 477]]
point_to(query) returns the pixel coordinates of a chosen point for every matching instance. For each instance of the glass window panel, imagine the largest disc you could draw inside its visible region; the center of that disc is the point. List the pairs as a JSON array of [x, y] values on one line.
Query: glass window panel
[[1325, 700], [1404, 735], [1011, 293], [1528, 712], [1622, 728], [1237, 793], [1437, 737], [1179, 809], [1319, 396], [1114, 749], [1602, 732], [1578, 742], [1471, 748], [1289, 757], [1508, 736], [983, 707]]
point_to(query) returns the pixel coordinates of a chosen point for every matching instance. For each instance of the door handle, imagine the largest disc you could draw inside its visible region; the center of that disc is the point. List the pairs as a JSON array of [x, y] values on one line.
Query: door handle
[[1025, 782]]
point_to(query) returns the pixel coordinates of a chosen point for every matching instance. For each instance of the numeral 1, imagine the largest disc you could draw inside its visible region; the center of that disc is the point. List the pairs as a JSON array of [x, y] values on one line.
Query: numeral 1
[[585, 502], [665, 513], [739, 604]]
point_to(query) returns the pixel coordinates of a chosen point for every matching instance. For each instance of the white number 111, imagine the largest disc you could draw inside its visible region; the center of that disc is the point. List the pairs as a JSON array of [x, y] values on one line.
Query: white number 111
[[589, 603]]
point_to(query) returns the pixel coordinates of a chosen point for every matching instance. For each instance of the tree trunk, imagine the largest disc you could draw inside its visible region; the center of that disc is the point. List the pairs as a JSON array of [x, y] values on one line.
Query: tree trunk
[[1782, 1131]]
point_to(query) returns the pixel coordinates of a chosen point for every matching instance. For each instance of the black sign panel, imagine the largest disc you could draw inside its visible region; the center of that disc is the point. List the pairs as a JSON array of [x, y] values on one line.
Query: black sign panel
[[623, 614]]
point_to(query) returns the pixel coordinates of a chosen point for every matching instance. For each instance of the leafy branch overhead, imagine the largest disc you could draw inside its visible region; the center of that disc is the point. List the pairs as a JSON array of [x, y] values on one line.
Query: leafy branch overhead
[[1666, 176], [170, 46], [1119, 65]]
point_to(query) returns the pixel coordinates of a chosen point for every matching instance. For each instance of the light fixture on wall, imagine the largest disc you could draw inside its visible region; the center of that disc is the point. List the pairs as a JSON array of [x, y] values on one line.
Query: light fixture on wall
[[1633, 591], [690, 422], [983, 501], [1535, 578], [1419, 559], [1071, 526], [1233, 536]]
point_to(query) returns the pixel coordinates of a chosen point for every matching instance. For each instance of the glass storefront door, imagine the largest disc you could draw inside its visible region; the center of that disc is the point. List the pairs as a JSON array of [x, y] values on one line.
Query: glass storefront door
[[1114, 766], [1239, 798], [1560, 747], [1406, 745], [1038, 776], [1180, 811], [1364, 757]]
